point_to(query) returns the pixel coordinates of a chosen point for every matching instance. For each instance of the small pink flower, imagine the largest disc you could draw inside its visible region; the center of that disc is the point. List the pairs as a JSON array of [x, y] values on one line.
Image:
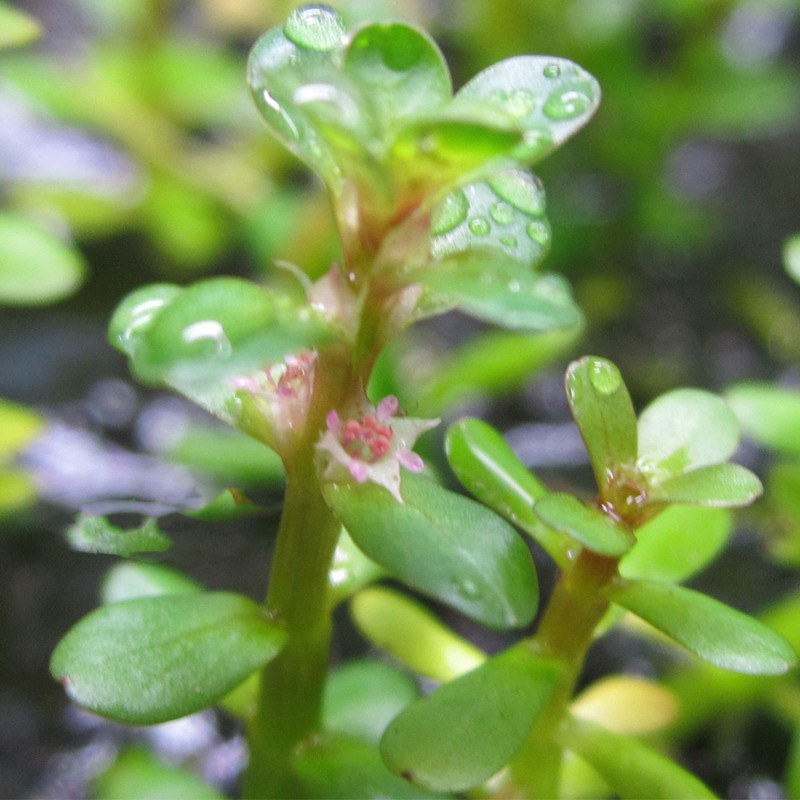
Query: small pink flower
[[374, 446]]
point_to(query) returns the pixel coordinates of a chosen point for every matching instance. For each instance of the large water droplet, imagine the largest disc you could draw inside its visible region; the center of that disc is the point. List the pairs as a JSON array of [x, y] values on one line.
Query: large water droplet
[[566, 104], [210, 336], [480, 226], [604, 376], [522, 190], [538, 232], [314, 27], [502, 213], [452, 212]]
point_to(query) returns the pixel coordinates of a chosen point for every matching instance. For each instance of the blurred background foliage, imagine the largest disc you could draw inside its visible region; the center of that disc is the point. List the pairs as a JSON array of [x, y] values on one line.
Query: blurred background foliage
[[130, 152]]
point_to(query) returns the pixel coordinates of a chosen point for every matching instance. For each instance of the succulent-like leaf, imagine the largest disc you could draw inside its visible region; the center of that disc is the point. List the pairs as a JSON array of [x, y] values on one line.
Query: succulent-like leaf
[[722, 485]]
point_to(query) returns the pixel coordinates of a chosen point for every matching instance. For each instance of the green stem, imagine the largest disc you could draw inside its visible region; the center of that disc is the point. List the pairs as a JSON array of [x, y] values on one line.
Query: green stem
[[566, 632]]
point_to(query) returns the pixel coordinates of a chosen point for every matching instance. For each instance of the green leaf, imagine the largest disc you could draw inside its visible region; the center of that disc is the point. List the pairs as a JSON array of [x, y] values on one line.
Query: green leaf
[[341, 767], [467, 730], [710, 629], [401, 70], [16, 27], [715, 485], [363, 697], [18, 427], [498, 290], [444, 545], [351, 570], [686, 429], [90, 534], [411, 634], [36, 268], [589, 526], [677, 543], [791, 256], [138, 775], [131, 579], [603, 410], [546, 98], [17, 491], [505, 214], [769, 414], [154, 659], [136, 313], [630, 768]]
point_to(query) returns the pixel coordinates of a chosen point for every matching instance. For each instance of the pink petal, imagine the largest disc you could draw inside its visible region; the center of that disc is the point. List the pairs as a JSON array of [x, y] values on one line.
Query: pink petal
[[410, 460], [387, 408], [359, 470], [332, 421]]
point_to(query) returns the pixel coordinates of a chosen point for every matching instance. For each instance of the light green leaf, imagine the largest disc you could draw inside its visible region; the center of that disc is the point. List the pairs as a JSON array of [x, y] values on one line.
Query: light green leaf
[[18, 427], [722, 485], [769, 414], [444, 545], [363, 697], [589, 526], [686, 429], [410, 633], [131, 579], [17, 491], [717, 633], [546, 98], [138, 775], [340, 767], [90, 534], [351, 570], [467, 730], [631, 769], [36, 268], [603, 410], [154, 659], [16, 27], [677, 543]]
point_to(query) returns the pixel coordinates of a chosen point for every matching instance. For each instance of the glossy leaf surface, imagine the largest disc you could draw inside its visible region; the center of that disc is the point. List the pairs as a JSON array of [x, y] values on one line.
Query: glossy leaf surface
[[587, 525], [154, 659], [339, 767], [686, 429], [363, 697], [351, 569], [712, 630], [131, 579], [630, 768], [463, 733], [769, 414], [91, 534], [444, 545], [410, 633], [677, 543], [722, 485], [603, 410]]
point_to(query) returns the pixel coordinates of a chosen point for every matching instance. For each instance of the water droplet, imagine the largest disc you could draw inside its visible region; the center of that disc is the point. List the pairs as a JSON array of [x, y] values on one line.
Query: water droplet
[[273, 105], [536, 142], [480, 226], [452, 212], [314, 27], [538, 232], [514, 286], [604, 376], [566, 104], [502, 213], [208, 332], [467, 589], [509, 241], [551, 70], [520, 102], [522, 190]]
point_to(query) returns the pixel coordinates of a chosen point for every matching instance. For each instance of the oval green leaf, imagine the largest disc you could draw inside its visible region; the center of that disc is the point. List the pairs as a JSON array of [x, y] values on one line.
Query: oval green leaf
[[769, 414], [36, 268], [154, 659], [131, 579], [677, 543], [721, 485], [686, 429], [717, 633], [467, 730], [444, 545], [604, 413], [586, 525], [411, 634], [630, 768]]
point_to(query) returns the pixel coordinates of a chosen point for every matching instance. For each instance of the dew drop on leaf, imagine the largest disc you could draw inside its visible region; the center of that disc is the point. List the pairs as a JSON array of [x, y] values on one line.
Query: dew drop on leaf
[[522, 190], [551, 71], [520, 103], [451, 213], [467, 588], [314, 27], [480, 226], [509, 241], [502, 213], [538, 232], [566, 104], [604, 376], [209, 336]]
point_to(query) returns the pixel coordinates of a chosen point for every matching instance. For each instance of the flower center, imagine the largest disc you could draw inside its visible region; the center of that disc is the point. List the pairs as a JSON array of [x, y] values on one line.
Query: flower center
[[366, 439]]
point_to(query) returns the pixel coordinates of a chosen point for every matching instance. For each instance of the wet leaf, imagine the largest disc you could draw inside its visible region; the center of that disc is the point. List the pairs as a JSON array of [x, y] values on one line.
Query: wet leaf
[[410, 633], [90, 534], [717, 633], [467, 730], [444, 545], [722, 485], [154, 659]]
